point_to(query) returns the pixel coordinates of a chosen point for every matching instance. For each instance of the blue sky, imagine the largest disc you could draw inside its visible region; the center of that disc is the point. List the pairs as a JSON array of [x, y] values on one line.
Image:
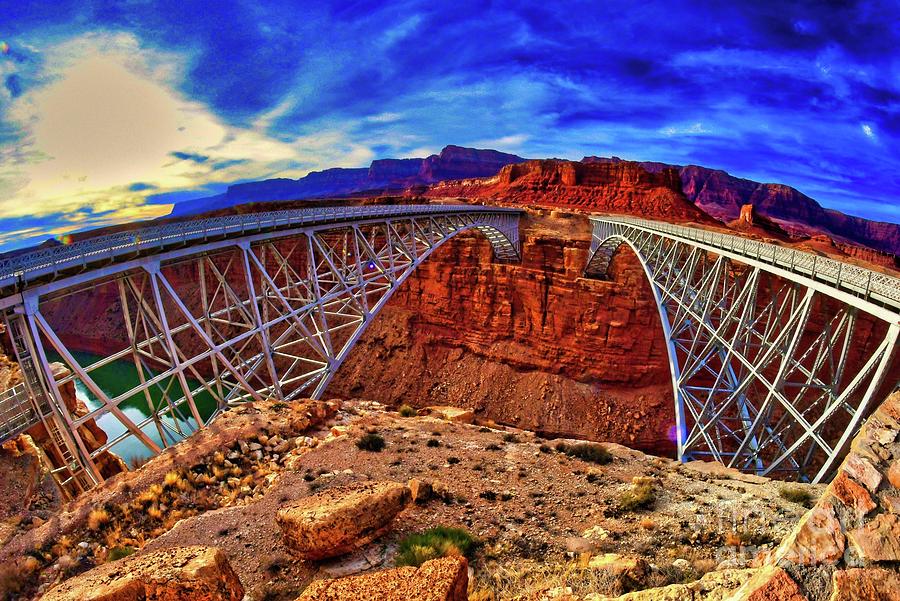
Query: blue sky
[[111, 110]]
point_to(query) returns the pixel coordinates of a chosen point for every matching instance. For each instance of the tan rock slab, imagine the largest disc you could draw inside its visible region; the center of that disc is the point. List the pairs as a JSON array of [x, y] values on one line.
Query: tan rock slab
[[180, 574], [770, 583], [818, 538], [879, 540], [713, 586], [629, 566], [893, 474], [341, 519], [421, 490], [862, 471], [852, 495], [892, 504], [445, 579], [866, 584], [723, 472], [453, 414]]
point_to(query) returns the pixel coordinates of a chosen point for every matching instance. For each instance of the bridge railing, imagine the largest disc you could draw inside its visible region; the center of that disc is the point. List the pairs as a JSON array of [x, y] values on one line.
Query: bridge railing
[[854, 279], [38, 263], [17, 412]]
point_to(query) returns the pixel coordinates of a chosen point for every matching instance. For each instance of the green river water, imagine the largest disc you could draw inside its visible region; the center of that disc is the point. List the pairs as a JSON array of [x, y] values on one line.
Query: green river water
[[121, 376]]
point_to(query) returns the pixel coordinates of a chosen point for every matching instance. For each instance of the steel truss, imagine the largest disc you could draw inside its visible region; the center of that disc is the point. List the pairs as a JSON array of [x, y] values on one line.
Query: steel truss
[[776, 355], [248, 317]]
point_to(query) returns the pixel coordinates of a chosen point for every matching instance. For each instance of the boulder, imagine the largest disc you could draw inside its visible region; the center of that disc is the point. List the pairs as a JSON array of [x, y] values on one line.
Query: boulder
[[893, 474], [453, 414], [818, 538], [770, 583], [341, 519], [183, 573], [862, 471], [713, 586], [626, 567], [445, 579], [865, 584], [420, 490], [879, 540], [852, 495]]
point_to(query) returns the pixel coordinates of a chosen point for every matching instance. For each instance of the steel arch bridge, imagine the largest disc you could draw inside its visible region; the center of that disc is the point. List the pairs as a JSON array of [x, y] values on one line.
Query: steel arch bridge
[[776, 355], [220, 311]]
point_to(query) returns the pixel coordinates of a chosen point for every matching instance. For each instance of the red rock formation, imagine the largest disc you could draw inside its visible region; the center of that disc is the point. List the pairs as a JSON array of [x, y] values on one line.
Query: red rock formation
[[722, 195], [534, 345], [599, 187]]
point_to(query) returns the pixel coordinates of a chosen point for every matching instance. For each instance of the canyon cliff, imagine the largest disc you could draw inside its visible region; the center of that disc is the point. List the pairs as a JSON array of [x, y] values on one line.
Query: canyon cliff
[[625, 188], [722, 195], [533, 345]]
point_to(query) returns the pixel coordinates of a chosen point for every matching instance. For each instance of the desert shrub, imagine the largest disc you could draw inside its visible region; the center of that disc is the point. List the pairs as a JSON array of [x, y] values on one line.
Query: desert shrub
[[796, 495], [592, 453], [370, 442], [746, 538], [510, 437], [98, 518], [407, 411], [119, 552], [641, 496], [442, 541], [433, 442], [545, 448], [492, 447], [488, 495], [452, 460]]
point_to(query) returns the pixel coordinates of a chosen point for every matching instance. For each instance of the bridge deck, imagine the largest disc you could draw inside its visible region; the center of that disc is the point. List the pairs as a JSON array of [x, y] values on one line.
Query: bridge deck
[[879, 288], [17, 272]]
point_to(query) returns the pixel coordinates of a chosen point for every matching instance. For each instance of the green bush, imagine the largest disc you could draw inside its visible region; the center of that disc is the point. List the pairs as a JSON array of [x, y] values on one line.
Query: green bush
[[370, 442], [641, 496], [407, 411], [119, 552], [442, 541], [592, 453], [796, 495]]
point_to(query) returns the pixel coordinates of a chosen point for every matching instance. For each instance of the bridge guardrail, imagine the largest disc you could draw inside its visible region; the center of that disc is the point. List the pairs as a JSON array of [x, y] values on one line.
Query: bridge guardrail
[[857, 280], [35, 264], [17, 413]]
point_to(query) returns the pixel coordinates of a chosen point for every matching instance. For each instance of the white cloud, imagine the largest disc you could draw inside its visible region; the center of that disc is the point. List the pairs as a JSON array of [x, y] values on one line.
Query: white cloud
[[692, 129], [109, 114], [509, 143], [867, 129]]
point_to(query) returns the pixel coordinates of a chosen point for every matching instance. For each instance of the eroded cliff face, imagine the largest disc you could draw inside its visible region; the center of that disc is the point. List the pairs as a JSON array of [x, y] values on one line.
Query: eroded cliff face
[[625, 188], [533, 345]]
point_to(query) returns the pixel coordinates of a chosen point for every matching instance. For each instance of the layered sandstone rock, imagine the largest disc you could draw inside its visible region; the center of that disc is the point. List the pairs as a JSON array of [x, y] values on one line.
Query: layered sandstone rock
[[852, 536], [341, 519], [722, 196], [183, 574], [712, 586], [624, 187], [443, 579], [533, 345]]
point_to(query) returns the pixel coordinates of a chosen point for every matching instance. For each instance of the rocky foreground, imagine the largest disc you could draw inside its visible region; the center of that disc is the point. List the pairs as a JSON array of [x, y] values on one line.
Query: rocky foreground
[[315, 500]]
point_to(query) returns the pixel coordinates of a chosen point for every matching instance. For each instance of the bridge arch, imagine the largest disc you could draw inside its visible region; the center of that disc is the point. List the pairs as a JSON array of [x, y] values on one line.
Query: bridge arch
[[212, 313], [775, 355]]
